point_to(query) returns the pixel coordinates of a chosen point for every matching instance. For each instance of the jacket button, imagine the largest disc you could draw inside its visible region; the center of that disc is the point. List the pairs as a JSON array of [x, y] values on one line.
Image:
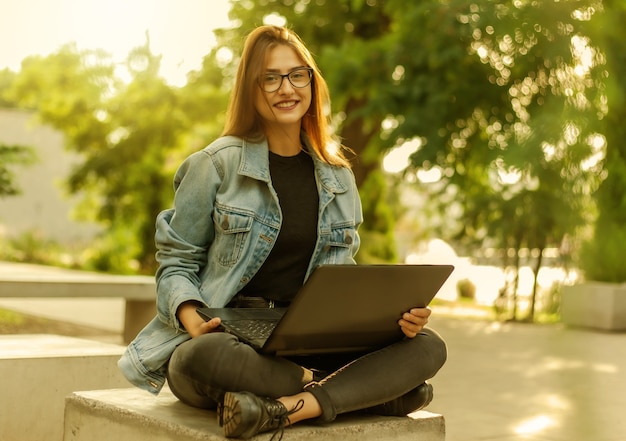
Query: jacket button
[[348, 239], [326, 247], [225, 225]]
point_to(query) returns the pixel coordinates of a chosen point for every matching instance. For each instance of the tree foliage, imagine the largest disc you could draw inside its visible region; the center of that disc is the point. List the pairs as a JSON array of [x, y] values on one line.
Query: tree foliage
[[518, 146], [499, 94], [7, 76], [11, 156], [508, 101], [601, 258], [128, 134]]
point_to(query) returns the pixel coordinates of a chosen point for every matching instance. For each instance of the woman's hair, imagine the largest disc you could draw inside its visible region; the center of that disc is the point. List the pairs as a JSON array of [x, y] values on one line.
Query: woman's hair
[[245, 122]]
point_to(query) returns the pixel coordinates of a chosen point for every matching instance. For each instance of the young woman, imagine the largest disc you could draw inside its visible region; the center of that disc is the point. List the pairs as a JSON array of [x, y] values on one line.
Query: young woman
[[254, 213]]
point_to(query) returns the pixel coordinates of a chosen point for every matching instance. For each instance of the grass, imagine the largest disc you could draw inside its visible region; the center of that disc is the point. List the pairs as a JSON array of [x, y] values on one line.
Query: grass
[[12, 322], [465, 308], [10, 318], [469, 309]]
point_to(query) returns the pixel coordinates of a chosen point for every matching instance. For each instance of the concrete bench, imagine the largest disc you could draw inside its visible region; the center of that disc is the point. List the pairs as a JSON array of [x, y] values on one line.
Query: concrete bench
[[38, 372], [132, 414], [139, 292]]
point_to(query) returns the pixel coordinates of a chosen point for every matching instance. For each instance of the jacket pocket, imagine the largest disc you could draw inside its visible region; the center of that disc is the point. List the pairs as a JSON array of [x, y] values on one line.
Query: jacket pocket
[[338, 248], [232, 228]]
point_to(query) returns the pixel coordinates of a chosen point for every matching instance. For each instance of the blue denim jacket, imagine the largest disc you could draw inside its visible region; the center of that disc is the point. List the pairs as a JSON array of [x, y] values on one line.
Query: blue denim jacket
[[224, 224]]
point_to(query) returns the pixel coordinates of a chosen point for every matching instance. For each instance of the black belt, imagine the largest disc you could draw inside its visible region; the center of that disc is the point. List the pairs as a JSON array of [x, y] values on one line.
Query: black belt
[[241, 301]]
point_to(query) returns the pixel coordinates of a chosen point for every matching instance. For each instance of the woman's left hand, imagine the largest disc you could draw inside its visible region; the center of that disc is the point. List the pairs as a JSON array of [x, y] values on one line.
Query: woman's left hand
[[413, 321]]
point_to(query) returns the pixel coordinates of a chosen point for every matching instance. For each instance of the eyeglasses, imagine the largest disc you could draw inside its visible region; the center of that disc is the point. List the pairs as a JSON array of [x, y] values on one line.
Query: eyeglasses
[[300, 77]]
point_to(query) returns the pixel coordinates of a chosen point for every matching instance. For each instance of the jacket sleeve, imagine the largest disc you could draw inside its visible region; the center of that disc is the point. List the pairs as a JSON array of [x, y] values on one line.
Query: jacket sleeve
[[183, 236], [358, 220], [358, 215]]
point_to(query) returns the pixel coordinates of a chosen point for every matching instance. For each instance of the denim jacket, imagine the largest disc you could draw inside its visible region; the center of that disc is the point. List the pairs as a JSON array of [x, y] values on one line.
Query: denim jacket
[[225, 220]]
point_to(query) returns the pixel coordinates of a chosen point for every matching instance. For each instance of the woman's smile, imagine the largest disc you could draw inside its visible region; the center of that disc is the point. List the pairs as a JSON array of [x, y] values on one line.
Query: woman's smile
[[286, 105]]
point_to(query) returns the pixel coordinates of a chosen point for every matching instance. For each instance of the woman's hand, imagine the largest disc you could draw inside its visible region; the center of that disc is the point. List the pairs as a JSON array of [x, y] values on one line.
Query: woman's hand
[[192, 322], [413, 321]]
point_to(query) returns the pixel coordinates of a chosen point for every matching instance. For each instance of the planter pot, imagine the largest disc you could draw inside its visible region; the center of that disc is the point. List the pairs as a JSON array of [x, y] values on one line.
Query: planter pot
[[595, 305]]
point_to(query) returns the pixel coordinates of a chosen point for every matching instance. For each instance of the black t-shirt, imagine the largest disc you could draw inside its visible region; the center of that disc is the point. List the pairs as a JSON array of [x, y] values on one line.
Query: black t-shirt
[[282, 274]]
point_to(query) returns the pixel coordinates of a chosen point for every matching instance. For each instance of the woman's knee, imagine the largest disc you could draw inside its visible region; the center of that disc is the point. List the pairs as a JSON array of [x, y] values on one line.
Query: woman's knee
[[199, 352], [436, 345], [198, 367]]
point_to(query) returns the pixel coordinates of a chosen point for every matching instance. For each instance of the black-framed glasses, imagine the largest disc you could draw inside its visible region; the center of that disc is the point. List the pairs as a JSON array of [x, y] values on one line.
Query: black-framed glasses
[[299, 78]]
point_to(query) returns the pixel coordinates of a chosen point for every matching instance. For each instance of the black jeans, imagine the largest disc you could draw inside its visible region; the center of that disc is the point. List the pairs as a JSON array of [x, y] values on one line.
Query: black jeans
[[202, 369]]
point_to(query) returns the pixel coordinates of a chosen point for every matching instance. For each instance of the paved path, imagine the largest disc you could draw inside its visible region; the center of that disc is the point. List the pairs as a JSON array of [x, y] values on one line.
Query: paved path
[[502, 382], [512, 381]]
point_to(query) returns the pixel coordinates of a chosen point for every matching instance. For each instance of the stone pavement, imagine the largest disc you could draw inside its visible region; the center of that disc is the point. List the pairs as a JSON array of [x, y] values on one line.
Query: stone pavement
[[514, 381], [502, 381]]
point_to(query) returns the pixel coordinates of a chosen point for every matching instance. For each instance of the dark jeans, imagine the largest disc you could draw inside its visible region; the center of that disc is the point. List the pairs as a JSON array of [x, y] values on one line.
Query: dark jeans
[[202, 369]]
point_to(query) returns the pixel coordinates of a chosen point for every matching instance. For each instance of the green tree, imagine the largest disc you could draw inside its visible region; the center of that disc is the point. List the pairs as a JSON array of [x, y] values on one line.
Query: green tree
[[601, 258], [7, 77], [126, 133], [499, 95], [11, 156], [130, 163], [491, 89], [515, 140]]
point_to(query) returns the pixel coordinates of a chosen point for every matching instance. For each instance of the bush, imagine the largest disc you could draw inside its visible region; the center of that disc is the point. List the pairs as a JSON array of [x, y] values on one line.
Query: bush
[[466, 289], [601, 258], [114, 252], [31, 247]]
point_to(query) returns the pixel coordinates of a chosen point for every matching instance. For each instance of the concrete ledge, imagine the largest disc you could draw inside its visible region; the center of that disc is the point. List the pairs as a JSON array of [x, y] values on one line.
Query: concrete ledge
[[132, 414], [36, 281], [37, 372], [594, 305], [77, 284]]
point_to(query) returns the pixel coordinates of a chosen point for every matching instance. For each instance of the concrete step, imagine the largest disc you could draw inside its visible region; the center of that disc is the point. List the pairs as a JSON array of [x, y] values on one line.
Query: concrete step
[[132, 414], [37, 373]]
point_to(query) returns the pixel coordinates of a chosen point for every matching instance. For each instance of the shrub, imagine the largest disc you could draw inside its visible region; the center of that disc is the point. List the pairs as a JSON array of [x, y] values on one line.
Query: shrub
[[601, 257], [466, 289]]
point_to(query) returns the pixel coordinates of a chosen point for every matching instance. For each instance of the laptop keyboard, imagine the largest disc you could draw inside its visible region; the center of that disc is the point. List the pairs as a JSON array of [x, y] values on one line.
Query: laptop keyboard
[[254, 328]]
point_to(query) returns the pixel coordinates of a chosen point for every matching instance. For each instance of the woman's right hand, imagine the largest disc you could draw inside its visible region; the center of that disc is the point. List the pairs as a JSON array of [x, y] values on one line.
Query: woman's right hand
[[193, 323]]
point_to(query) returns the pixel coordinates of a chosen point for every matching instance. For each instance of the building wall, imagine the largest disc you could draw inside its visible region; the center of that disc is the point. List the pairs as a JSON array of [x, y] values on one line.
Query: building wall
[[43, 206]]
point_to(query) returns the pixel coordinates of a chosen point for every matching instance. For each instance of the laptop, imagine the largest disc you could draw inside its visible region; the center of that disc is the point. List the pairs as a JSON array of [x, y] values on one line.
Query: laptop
[[340, 308]]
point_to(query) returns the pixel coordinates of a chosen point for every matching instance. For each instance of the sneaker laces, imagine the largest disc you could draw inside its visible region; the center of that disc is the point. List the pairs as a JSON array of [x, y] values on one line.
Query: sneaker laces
[[280, 418]]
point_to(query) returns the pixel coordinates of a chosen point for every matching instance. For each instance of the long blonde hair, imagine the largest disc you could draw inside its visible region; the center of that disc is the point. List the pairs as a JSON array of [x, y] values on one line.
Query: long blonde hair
[[243, 121]]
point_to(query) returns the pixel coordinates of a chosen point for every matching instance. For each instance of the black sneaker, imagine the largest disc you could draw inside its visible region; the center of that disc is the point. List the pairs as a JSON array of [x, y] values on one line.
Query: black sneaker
[[417, 399], [243, 415]]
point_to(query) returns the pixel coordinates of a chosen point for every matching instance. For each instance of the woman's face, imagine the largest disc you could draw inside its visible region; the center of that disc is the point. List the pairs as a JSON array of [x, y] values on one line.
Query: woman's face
[[287, 105]]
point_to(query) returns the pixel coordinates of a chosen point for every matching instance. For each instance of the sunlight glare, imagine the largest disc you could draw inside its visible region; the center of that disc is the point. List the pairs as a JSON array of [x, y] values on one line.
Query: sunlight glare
[[558, 402], [510, 176], [583, 53], [605, 368], [224, 56], [398, 158], [429, 176], [598, 144], [274, 19], [180, 32], [535, 425]]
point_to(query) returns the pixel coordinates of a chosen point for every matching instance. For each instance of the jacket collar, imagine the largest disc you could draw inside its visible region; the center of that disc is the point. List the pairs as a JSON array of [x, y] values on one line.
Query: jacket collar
[[255, 164]]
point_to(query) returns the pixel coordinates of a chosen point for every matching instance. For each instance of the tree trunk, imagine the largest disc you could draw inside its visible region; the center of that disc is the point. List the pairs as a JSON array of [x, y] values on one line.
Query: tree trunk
[[533, 299], [356, 137]]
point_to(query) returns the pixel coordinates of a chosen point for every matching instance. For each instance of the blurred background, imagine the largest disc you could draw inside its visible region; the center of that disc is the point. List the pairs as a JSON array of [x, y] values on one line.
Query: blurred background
[[487, 134]]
